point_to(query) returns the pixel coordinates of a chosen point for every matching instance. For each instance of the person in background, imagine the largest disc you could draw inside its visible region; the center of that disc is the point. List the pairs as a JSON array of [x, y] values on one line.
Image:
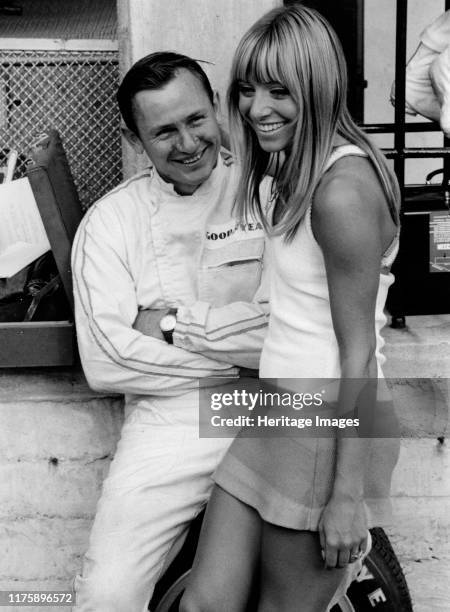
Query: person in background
[[427, 85]]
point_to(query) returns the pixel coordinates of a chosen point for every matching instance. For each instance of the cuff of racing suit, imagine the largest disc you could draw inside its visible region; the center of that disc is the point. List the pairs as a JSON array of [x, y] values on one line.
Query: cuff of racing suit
[[191, 323]]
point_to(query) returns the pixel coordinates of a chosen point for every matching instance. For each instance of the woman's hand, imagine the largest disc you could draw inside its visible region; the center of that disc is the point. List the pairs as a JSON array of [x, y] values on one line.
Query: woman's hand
[[343, 531]]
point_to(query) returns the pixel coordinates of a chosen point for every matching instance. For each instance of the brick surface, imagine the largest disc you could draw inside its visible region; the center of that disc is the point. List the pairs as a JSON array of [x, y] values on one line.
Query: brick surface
[[65, 489], [420, 350], [420, 536], [72, 429], [42, 548], [51, 383], [422, 470], [421, 527], [421, 405], [429, 584]]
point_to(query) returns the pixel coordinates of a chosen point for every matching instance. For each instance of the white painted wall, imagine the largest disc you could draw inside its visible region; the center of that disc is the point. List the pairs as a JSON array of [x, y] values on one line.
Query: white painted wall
[[204, 29]]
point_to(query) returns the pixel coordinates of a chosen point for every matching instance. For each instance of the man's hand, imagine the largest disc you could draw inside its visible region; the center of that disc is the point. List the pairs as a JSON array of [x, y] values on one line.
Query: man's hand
[[147, 322]]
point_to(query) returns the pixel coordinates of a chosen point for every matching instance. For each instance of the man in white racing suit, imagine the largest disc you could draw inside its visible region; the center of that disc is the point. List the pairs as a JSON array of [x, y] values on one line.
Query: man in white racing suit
[[162, 252]]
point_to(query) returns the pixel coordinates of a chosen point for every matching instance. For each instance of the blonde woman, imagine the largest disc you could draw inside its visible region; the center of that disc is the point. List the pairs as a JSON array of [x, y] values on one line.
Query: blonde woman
[[295, 512]]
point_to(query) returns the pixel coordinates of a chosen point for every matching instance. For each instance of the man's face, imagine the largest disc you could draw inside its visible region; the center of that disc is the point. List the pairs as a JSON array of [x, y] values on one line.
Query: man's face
[[178, 130]]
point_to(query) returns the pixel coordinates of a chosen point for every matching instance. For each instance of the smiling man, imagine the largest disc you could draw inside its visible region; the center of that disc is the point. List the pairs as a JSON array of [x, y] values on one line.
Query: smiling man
[[168, 291], [177, 127]]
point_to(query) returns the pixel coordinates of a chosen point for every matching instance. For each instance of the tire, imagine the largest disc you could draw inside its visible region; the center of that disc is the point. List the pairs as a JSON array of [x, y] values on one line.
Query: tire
[[381, 584], [379, 587]]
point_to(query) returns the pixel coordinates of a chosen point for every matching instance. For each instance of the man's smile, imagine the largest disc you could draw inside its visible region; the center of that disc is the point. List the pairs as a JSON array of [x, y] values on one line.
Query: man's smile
[[193, 159]]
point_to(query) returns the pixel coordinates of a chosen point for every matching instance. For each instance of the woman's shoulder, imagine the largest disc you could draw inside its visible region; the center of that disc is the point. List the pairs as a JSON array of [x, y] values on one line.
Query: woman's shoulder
[[350, 185], [348, 207]]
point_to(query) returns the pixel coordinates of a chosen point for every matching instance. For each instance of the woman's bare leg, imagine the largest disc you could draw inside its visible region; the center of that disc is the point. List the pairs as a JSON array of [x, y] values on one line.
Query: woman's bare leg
[[293, 576], [226, 558]]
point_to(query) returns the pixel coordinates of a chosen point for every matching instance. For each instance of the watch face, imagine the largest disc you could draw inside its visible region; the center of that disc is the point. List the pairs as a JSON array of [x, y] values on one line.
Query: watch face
[[168, 323]]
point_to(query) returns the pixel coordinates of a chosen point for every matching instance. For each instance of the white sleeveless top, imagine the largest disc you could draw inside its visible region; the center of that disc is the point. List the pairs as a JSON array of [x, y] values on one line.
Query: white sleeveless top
[[301, 342]]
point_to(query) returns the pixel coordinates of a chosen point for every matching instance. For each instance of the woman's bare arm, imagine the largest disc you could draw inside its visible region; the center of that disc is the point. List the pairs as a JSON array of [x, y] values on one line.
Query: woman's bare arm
[[348, 223]]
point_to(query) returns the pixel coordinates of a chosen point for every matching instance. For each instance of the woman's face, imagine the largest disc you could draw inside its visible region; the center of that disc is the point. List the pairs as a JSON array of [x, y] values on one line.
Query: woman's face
[[271, 112]]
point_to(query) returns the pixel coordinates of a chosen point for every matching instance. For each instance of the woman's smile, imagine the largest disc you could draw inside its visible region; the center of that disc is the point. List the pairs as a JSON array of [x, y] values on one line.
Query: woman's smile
[[268, 127], [271, 111]]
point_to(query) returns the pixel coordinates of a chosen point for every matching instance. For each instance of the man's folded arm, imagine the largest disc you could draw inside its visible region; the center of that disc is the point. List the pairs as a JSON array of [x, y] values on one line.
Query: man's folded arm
[[115, 356]]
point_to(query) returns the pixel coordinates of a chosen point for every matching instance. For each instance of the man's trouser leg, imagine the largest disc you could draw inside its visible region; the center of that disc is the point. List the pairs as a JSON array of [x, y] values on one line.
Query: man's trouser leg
[[158, 482]]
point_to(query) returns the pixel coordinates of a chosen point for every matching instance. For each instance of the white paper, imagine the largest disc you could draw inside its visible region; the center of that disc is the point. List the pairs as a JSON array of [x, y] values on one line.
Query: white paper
[[22, 234]]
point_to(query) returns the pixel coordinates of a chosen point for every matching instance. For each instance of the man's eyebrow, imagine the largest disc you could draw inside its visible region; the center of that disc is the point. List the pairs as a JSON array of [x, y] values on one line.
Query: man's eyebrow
[[162, 128], [171, 126]]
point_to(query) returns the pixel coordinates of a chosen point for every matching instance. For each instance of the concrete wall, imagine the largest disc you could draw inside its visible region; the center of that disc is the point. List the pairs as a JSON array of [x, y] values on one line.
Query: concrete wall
[[418, 357], [56, 441]]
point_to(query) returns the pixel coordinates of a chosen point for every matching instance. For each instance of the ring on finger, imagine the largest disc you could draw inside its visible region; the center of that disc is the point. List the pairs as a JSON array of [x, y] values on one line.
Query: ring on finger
[[355, 556]]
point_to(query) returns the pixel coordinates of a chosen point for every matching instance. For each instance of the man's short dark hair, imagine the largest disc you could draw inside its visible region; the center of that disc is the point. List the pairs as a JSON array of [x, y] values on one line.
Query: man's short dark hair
[[153, 72]]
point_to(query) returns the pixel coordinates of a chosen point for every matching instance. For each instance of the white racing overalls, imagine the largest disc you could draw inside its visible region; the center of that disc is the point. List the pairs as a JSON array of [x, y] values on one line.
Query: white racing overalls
[[144, 246]]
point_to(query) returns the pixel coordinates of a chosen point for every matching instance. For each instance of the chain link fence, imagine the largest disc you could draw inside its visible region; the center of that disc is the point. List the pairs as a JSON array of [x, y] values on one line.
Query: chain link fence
[[73, 92]]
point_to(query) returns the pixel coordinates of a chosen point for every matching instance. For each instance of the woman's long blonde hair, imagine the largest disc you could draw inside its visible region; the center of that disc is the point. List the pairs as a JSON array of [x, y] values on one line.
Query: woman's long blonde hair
[[297, 48]]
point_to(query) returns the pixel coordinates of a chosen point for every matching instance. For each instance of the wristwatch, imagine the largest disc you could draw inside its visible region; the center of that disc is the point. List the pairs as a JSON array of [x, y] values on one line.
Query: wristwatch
[[167, 325]]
